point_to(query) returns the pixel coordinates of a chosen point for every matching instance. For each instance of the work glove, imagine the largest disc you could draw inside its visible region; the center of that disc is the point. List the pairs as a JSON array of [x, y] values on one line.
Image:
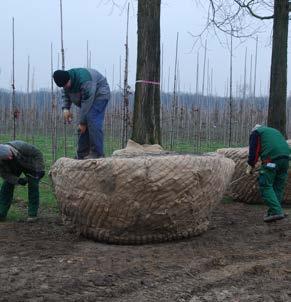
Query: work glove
[[67, 116], [22, 181], [250, 170]]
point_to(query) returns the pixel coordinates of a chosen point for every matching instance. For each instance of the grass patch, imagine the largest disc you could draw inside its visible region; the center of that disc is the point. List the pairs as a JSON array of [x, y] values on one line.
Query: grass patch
[[16, 212]]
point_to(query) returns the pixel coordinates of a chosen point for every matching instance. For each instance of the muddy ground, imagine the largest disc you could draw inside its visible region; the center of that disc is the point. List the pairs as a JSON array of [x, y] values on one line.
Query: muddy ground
[[240, 258]]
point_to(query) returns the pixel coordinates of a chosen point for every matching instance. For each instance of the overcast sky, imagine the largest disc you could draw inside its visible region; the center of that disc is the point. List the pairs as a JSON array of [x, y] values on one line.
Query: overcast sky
[[37, 25]]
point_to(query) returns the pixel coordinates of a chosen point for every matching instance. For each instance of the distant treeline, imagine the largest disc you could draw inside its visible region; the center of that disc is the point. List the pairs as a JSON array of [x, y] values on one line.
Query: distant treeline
[[193, 122], [41, 99]]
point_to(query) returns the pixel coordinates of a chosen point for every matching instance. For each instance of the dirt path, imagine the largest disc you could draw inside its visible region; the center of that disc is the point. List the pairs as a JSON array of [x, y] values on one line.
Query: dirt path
[[240, 259]]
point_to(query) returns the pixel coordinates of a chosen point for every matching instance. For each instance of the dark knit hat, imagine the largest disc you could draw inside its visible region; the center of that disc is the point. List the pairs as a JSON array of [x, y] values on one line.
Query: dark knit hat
[[61, 77]]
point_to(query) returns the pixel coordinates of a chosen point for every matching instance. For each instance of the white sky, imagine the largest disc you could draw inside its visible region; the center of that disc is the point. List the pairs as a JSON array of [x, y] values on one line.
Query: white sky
[[37, 24]]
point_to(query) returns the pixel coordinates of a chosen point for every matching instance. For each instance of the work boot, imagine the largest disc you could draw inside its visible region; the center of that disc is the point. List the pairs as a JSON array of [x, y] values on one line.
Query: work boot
[[274, 217]]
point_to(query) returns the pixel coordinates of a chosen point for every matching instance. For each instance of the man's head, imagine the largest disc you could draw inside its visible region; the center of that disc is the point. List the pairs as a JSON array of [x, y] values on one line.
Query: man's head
[[5, 152], [62, 78]]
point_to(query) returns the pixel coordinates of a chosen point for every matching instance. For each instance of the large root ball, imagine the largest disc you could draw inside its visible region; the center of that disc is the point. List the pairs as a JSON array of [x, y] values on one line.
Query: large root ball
[[141, 199]]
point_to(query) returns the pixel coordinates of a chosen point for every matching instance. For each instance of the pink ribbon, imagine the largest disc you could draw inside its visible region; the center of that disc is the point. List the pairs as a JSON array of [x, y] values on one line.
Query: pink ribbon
[[148, 82]]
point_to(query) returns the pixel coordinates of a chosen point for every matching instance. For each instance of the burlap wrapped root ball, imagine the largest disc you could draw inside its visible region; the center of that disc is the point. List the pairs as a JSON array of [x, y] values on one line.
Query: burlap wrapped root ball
[[134, 149], [142, 199], [244, 188]]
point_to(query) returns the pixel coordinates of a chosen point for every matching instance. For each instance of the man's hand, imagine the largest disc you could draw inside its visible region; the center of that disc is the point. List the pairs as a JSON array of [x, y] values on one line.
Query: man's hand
[[82, 128], [22, 181], [250, 170], [68, 116]]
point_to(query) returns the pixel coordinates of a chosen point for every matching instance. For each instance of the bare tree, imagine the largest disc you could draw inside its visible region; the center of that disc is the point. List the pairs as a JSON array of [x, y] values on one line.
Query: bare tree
[[146, 115], [126, 90], [235, 17], [14, 109], [53, 114], [278, 82], [63, 68]]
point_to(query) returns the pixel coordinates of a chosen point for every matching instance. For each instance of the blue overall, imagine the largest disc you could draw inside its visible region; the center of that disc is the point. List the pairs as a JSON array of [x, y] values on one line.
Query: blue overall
[[92, 140]]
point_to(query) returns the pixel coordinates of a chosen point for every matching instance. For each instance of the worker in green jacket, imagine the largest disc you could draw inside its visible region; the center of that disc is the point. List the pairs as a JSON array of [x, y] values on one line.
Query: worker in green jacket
[[270, 146], [88, 89], [17, 157]]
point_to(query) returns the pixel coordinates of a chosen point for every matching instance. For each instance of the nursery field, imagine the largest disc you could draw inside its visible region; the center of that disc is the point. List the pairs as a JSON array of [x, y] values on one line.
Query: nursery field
[[195, 86]]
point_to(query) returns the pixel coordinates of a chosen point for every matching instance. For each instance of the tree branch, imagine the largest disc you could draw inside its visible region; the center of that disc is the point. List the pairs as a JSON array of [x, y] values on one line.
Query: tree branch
[[251, 12], [227, 18]]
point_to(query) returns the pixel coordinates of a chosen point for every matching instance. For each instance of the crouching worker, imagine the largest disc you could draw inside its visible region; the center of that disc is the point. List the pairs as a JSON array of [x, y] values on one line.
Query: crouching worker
[[270, 145], [17, 157]]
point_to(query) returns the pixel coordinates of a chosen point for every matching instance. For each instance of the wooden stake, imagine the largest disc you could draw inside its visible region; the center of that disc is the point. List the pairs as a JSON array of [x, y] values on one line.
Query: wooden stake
[[197, 73], [174, 102], [87, 53], [204, 65], [54, 114], [255, 71], [63, 68], [125, 90], [14, 109], [230, 93]]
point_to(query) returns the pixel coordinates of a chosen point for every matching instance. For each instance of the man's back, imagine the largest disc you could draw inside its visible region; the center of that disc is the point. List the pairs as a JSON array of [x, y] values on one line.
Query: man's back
[[81, 76], [273, 143], [28, 156]]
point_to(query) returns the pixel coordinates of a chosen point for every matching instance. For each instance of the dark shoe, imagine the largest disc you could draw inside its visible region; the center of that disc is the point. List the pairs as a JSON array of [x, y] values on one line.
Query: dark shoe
[[271, 218]]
